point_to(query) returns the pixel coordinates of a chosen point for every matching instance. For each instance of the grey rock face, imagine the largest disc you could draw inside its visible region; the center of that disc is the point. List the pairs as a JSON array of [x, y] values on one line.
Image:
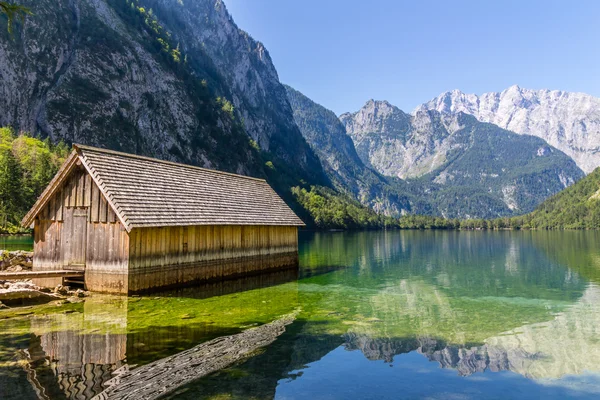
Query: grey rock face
[[80, 75], [397, 144], [260, 100], [93, 72], [568, 121], [327, 136], [466, 168]]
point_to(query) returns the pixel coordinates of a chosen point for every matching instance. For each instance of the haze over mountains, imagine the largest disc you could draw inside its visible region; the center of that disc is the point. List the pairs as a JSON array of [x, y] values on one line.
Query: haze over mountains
[[180, 81]]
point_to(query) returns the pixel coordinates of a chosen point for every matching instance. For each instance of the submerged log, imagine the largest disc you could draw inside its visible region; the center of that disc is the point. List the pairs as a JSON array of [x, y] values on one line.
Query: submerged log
[[166, 375]]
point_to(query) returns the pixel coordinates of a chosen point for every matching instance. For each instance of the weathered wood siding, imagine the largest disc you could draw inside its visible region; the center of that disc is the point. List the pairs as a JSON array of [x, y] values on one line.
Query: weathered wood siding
[[107, 257], [61, 241], [173, 255], [78, 229]]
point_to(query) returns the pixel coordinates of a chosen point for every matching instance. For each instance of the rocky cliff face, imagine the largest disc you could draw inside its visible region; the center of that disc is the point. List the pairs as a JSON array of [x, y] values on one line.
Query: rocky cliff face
[[568, 121], [327, 136], [205, 28], [396, 144], [171, 79], [469, 168]]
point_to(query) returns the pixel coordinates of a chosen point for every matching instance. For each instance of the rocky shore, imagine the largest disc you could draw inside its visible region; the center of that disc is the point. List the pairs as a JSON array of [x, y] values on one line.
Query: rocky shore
[[25, 293], [14, 293], [16, 261]]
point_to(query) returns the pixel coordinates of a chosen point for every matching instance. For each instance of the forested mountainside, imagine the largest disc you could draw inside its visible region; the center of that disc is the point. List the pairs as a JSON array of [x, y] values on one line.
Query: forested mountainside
[[469, 169], [170, 79], [568, 121], [327, 136], [180, 81], [577, 207], [26, 166]]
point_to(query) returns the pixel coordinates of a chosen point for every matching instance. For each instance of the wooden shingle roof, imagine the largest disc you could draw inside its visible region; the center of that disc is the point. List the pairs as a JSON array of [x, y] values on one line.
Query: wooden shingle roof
[[146, 192]]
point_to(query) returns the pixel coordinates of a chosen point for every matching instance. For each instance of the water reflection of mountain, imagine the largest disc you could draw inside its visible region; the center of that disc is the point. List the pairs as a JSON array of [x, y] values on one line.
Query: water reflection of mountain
[[576, 249], [565, 345], [470, 301], [464, 263], [446, 295], [466, 361]]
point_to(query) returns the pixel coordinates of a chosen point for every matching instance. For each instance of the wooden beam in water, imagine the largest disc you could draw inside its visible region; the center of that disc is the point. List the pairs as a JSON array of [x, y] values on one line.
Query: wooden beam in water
[[39, 274], [163, 376]]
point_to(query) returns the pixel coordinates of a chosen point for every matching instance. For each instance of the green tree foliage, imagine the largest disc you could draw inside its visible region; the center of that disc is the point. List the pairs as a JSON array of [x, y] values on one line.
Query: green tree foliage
[[11, 178], [12, 11], [576, 207], [27, 165], [331, 210]]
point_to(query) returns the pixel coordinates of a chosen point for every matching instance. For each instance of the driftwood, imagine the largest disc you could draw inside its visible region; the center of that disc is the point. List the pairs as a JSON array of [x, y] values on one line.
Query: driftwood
[[166, 375]]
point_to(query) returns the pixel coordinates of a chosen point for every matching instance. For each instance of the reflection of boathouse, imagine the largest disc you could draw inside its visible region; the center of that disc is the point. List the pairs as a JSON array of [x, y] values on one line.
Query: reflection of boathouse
[[75, 355], [134, 223]]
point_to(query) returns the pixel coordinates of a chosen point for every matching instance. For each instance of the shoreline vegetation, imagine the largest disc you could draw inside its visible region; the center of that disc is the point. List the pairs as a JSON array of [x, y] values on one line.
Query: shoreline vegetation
[[27, 164], [575, 208]]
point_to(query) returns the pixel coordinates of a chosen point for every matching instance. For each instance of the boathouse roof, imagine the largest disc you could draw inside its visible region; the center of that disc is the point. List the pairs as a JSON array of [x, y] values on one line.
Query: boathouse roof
[[147, 192]]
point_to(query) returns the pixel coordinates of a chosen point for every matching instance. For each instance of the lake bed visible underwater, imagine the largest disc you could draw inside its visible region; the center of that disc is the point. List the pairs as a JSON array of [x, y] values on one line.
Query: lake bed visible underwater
[[386, 314]]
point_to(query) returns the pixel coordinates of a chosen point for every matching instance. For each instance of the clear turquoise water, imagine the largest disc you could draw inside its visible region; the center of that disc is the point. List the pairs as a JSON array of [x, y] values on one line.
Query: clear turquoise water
[[400, 314], [16, 242]]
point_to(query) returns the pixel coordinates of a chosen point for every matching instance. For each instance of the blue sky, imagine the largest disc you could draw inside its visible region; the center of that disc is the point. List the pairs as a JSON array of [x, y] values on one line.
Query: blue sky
[[341, 53]]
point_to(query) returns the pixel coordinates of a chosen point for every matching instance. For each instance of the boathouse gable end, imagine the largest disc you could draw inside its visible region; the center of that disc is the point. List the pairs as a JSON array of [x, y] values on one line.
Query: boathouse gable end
[[77, 229], [134, 223]]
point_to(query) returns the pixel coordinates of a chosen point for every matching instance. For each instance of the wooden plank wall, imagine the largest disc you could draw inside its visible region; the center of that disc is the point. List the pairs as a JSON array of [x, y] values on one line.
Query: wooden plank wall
[[113, 255], [107, 250], [106, 268], [173, 255], [78, 190], [183, 245]]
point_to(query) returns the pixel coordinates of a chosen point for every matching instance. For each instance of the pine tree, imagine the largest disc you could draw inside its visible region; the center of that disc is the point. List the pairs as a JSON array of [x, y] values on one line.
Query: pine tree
[[10, 187]]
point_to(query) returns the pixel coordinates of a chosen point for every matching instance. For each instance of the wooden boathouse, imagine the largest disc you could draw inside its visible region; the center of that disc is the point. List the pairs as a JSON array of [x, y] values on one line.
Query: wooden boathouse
[[134, 223]]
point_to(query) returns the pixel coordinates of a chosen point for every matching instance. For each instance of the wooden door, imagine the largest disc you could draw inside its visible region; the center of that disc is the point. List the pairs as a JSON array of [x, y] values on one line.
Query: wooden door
[[74, 237]]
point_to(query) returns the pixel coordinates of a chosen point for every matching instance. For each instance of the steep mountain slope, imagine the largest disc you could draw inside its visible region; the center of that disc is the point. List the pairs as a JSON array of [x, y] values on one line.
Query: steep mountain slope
[[577, 207], [386, 139], [465, 167], [327, 136], [171, 79], [568, 121], [205, 28]]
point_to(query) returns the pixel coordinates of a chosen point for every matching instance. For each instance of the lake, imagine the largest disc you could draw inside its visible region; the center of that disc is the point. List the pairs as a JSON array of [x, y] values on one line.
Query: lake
[[396, 314], [16, 242]]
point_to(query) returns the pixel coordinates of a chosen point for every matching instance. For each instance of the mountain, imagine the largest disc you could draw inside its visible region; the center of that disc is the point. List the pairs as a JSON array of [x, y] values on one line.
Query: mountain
[[327, 136], [568, 121], [465, 168], [165, 78], [179, 80], [577, 207]]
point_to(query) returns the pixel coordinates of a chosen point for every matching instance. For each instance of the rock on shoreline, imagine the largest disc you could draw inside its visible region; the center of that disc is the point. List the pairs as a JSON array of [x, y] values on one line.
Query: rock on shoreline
[[16, 261], [24, 292]]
